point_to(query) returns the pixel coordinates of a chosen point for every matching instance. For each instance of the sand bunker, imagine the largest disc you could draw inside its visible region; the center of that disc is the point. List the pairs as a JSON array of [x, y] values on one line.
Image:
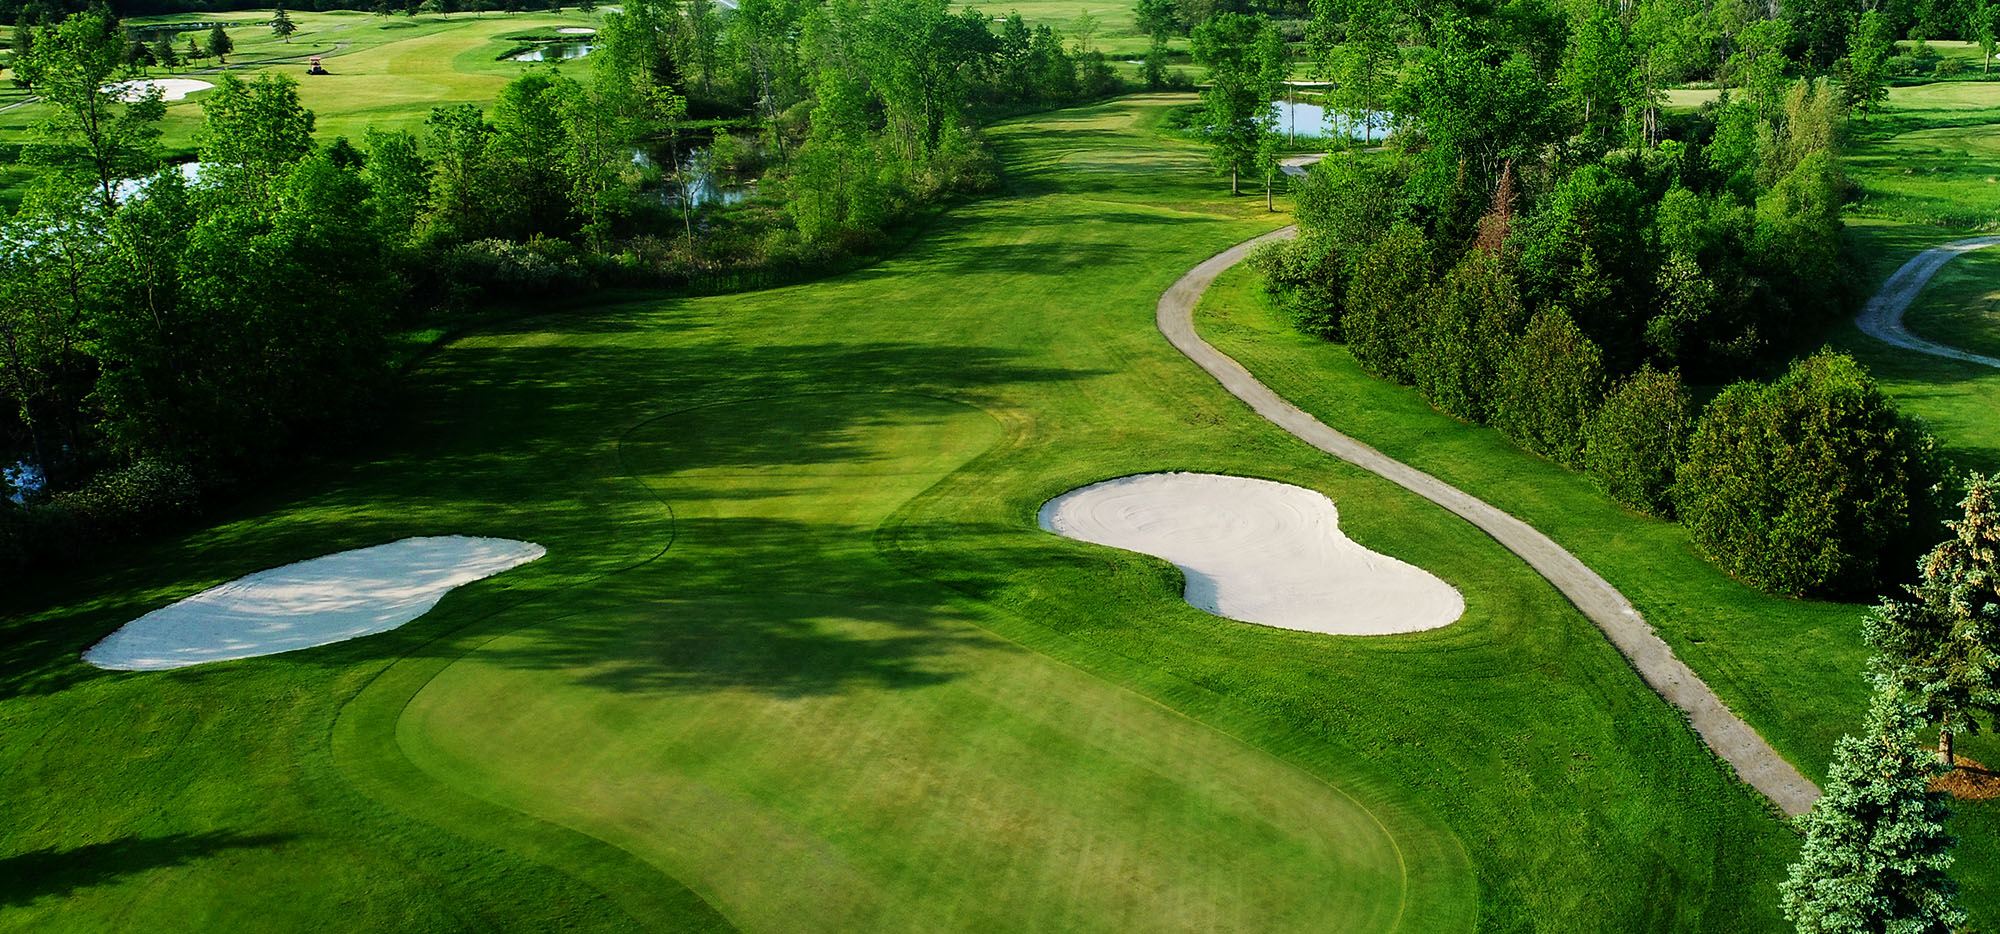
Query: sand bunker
[[577, 31], [1257, 551], [172, 89], [327, 599]]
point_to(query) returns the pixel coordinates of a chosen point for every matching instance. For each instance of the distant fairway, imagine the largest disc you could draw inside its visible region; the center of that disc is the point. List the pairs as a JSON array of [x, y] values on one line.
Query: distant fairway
[[798, 657], [387, 72]]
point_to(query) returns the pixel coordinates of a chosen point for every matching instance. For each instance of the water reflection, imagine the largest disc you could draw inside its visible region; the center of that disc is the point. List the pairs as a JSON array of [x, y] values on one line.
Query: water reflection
[[1312, 121], [554, 52]]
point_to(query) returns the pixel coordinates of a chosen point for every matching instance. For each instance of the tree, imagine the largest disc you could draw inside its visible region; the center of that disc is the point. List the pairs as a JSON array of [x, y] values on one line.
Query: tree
[[1463, 342], [164, 53], [254, 132], [193, 52], [1599, 72], [219, 43], [282, 25], [138, 55], [1245, 62], [1550, 383], [1355, 47], [52, 285], [1986, 29], [1876, 851], [89, 128], [1637, 439], [1806, 485], [1941, 650], [1390, 287], [1867, 71]]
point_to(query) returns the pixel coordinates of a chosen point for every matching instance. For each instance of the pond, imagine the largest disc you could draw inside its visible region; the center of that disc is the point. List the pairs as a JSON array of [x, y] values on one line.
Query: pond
[[704, 187], [126, 188], [1312, 121], [554, 52]]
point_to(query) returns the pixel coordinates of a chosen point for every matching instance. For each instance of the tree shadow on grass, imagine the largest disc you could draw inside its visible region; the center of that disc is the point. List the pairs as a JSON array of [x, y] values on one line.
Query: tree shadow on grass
[[53, 873], [502, 428]]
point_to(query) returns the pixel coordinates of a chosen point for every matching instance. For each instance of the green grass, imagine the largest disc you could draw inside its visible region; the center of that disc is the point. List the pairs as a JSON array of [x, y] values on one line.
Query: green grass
[[1931, 156], [386, 72], [1791, 668], [799, 658]]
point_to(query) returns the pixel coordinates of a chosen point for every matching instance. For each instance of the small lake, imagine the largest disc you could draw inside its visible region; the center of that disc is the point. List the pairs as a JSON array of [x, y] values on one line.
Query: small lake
[[1312, 121], [554, 52]]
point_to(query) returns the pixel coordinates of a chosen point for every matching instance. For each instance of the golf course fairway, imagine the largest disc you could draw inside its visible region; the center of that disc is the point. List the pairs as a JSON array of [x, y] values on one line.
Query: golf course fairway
[[799, 658]]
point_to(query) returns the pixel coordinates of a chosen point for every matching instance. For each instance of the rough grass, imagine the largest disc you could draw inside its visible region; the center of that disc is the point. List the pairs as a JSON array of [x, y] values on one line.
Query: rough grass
[[800, 659]]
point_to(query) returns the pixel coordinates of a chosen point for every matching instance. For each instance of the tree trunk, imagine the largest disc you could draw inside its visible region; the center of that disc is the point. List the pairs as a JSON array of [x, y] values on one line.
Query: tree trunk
[[1232, 184], [1268, 206], [1944, 747]]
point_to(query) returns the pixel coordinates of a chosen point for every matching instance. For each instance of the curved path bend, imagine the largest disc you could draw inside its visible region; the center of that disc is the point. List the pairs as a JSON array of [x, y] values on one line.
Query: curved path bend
[[1882, 317], [1754, 760]]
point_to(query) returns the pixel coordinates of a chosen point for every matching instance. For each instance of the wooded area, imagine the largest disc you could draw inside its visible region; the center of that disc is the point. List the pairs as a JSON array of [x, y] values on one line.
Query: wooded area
[[168, 334]]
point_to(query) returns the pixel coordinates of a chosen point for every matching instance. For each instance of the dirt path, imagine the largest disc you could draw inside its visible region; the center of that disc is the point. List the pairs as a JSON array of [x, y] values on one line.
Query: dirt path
[[1882, 318], [1732, 739]]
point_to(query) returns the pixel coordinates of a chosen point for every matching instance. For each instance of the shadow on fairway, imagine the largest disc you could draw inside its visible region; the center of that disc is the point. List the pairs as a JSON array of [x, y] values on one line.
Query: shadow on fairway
[[51, 873], [496, 434]]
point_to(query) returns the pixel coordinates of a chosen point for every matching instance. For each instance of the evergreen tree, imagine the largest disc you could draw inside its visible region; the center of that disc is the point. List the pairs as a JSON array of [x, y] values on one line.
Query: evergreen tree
[[1876, 850], [1942, 649], [1637, 438], [1808, 484], [163, 52], [282, 25], [1550, 383], [219, 43]]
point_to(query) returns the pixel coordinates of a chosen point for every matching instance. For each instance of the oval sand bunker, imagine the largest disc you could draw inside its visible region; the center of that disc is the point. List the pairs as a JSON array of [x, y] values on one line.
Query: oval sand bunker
[[1257, 551], [332, 598]]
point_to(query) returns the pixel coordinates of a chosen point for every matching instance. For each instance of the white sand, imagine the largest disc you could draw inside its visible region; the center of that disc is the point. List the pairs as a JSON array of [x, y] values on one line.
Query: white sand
[[332, 598], [1257, 551], [172, 89], [577, 31]]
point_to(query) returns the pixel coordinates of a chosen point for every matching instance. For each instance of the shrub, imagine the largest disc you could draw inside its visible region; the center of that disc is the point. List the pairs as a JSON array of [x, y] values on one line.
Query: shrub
[[1383, 302], [1949, 68], [1306, 278], [1807, 485], [1465, 338], [1551, 381], [1637, 438]]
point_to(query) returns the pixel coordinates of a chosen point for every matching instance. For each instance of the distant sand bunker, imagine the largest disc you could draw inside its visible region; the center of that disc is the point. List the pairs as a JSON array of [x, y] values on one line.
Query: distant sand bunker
[[332, 598], [172, 89], [577, 31], [1257, 551]]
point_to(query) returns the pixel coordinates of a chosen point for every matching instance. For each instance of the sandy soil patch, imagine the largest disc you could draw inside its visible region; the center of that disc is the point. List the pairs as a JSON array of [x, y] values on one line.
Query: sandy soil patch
[[1257, 551], [172, 89], [577, 31], [327, 599]]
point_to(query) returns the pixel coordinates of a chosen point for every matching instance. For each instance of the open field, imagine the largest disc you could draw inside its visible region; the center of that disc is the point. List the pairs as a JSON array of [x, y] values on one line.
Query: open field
[[799, 658]]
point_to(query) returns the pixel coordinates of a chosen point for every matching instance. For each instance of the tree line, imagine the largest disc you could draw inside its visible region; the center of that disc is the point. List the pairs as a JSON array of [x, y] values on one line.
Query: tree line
[[1543, 249], [166, 334]]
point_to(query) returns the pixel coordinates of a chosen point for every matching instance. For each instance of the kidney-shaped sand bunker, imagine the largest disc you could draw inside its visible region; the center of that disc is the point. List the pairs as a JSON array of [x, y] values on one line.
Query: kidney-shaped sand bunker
[[331, 598], [1257, 551]]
